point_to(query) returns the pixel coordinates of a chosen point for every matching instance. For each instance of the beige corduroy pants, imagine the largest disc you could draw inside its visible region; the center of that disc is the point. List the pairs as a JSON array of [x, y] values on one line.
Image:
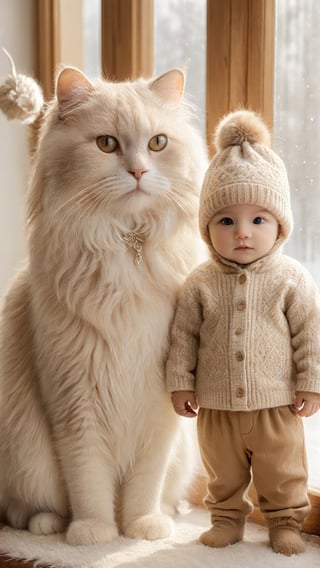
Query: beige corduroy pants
[[267, 445]]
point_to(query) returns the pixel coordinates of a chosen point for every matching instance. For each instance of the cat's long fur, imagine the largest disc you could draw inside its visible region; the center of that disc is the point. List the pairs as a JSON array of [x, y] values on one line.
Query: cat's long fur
[[86, 427]]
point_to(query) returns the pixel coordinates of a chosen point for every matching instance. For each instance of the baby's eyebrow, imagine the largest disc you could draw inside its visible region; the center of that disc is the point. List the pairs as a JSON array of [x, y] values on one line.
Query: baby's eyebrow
[[223, 215], [262, 212]]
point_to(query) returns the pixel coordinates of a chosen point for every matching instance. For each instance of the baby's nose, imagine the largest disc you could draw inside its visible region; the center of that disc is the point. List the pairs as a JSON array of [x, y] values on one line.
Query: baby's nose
[[243, 232]]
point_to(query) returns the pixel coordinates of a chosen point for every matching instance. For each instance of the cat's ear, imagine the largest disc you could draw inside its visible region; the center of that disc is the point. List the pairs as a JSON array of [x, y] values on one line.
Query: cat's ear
[[170, 85], [72, 88]]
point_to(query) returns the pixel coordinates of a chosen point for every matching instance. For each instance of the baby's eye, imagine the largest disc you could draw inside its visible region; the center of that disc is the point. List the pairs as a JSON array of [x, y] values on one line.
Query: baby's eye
[[107, 143], [158, 142], [226, 221], [258, 221]]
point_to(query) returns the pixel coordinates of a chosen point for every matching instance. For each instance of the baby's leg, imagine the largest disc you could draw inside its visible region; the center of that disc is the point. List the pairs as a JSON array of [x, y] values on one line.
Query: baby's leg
[[280, 476], [228, 468]]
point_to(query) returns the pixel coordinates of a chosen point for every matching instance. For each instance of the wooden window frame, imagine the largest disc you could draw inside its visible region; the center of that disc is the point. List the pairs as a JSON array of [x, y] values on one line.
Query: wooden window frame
[[48, 43], [240, 71], [240, 59], [126, 38]]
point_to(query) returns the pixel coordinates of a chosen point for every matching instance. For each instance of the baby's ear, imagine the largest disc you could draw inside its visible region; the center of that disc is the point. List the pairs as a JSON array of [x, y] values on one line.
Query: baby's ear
[[170, 86], [72, 89]]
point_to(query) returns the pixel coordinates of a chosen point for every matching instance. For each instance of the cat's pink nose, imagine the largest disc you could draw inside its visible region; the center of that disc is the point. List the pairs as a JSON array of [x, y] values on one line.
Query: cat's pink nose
[[137, 173]]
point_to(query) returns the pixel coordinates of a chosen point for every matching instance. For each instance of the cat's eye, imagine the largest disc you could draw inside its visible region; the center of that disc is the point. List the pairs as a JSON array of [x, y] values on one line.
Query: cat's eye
[[107, 143], [158, 142]]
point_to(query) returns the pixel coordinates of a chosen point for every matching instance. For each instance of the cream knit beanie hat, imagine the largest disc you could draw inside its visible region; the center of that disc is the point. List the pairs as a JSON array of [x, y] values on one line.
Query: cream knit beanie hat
[[245, 171]]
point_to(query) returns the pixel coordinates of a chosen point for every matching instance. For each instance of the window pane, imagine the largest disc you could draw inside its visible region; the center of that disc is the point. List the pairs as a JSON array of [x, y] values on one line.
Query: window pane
[[92, 38], [297, 121], [180, 40], [296, 139]]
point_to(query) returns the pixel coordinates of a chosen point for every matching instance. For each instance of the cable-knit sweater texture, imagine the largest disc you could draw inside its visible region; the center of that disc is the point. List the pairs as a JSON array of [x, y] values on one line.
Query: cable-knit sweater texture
[[246, 337]]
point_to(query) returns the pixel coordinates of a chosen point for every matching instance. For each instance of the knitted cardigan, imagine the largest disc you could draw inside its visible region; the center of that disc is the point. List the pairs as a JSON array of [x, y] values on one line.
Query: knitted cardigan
[[246, 337]]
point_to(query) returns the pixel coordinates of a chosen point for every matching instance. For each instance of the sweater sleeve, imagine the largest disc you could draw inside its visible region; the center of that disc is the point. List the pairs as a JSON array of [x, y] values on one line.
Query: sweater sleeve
[[304, 320], [183, 354]]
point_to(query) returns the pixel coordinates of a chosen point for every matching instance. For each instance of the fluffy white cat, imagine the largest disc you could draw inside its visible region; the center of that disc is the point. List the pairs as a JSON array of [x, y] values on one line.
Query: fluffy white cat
[[88, 437]]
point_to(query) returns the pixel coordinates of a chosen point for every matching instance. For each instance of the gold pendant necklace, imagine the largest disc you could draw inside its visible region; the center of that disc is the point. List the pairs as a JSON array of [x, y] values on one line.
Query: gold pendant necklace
[[134, 241]]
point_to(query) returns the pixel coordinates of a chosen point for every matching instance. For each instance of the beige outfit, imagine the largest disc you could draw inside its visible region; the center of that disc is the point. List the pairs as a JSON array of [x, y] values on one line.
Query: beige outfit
[[246, 339]]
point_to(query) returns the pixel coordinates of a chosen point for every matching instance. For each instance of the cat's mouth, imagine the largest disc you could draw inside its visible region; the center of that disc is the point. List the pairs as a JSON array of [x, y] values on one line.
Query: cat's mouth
[[137, 191]]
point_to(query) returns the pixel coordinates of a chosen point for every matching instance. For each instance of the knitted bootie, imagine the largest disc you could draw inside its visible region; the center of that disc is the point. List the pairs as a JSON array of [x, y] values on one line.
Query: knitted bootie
[[285, 537], [224, 531]]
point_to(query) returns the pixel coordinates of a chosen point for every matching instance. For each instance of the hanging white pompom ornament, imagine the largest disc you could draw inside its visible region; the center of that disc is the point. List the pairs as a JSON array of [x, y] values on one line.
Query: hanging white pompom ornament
[[21, 97]]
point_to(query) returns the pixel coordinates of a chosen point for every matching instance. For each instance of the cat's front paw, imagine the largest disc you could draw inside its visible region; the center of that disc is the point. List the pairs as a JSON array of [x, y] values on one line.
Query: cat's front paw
[[46, 523], [150, 527], [90, 531]]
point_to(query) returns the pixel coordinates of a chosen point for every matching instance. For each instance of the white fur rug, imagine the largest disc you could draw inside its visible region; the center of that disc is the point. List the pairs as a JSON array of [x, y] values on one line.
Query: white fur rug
[[179, 551]]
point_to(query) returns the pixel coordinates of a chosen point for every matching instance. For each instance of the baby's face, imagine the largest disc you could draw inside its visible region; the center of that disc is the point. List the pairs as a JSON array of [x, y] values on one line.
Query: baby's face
[[243, 233]]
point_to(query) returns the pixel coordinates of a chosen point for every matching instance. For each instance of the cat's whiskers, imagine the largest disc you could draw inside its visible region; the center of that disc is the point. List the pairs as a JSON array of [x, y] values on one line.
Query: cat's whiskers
[[88, 199], [130, 231], [73, 215], [183, 198]]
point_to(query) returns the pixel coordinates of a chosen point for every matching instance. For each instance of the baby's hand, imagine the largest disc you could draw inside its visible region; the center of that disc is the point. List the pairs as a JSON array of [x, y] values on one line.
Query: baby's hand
[[306, 408], [184, 403]]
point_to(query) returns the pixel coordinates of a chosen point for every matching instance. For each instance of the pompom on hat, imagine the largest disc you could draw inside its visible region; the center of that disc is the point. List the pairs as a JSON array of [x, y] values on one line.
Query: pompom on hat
[[245, 170]]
